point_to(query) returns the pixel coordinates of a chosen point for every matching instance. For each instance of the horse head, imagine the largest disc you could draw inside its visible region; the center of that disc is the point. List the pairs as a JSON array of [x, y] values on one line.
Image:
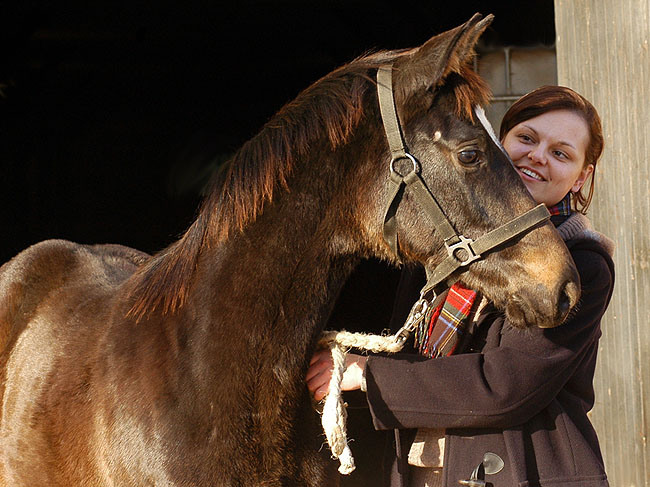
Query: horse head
[[459, 160]]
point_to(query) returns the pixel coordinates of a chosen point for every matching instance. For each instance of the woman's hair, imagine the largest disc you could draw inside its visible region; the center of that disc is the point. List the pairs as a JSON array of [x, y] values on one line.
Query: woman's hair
[[549, 98]]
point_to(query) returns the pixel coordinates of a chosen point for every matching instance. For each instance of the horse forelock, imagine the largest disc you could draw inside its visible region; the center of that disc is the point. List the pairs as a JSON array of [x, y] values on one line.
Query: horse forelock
[[469, 90], [463, 86]]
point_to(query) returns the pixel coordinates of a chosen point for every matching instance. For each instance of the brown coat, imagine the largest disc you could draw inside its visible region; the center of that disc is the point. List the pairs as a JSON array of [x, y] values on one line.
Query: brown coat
[[522, 394]]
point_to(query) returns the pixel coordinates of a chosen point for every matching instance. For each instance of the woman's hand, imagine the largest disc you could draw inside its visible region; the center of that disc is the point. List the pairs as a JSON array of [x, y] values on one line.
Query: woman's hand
[[320, 373]]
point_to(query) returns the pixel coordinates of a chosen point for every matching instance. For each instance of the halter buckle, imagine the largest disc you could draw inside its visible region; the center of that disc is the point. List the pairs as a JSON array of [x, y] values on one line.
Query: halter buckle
[[462, 250]]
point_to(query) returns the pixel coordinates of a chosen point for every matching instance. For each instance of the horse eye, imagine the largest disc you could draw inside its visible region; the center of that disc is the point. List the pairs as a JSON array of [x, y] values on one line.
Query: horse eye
[[470, 156]]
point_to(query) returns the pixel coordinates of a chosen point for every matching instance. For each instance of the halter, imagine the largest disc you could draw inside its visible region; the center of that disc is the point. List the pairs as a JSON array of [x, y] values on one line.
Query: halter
[[461, 250]]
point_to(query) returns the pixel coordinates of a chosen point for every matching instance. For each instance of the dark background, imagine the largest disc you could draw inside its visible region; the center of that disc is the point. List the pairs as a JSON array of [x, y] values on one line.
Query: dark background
[[113, 112]]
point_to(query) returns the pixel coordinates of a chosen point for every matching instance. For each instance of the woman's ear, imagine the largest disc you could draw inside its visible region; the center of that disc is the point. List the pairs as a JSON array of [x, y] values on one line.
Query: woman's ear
[[584, 174]]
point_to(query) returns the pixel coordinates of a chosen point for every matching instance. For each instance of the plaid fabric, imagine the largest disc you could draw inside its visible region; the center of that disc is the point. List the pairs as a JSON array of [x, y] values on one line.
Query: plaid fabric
[[439, 335], [563, 208]]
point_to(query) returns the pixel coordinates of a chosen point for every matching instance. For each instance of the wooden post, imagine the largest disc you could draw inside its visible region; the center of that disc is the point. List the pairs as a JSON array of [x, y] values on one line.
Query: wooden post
[[603, 52]]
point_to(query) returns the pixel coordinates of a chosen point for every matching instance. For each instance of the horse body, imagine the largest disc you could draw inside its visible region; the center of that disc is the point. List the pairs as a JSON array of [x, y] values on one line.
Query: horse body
[[178, 387], [186, 368]]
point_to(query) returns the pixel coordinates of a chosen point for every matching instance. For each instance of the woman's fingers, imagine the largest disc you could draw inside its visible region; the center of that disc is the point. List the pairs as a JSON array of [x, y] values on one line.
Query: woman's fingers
[[321, 355], [319, 379], [321, 361], [319, 374], [320, 369], [319, 385]]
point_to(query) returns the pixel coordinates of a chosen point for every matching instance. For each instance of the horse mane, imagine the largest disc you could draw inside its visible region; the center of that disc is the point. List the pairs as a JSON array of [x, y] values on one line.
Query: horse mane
[[333, 107], [329, 110]]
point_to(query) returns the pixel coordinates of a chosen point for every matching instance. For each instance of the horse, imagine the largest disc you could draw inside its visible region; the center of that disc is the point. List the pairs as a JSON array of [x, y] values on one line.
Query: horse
[[186, 368]]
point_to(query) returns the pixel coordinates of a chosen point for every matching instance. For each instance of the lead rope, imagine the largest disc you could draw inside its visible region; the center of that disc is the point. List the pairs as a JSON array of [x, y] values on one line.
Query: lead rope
[[334, 413], [340, 342]]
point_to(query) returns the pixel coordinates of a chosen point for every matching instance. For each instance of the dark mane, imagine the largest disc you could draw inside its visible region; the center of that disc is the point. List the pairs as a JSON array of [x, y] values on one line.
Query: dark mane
[[330, 109]]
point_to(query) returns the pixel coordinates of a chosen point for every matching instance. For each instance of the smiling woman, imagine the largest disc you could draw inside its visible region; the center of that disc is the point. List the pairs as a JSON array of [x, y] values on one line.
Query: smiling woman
[[549, 154]]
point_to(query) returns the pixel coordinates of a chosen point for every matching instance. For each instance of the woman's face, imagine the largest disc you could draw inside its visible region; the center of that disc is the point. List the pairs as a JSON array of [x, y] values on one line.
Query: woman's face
[[548, 152]]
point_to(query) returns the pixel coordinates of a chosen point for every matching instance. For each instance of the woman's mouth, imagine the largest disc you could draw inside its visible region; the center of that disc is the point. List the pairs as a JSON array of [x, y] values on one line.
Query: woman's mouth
[[530, 173]]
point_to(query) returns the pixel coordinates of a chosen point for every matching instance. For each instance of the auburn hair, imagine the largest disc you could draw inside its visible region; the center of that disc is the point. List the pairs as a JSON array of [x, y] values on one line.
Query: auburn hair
[[549, 98]]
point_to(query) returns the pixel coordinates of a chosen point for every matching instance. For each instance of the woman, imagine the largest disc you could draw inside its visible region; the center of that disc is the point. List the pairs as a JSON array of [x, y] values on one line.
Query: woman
[[520, 395]]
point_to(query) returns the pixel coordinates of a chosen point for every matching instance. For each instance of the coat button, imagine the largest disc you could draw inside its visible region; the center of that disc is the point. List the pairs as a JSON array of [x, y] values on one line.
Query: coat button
[[491, 464]]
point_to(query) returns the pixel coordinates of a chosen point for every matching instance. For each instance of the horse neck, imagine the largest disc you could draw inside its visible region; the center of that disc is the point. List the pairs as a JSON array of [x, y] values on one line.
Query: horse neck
[[263, 295]]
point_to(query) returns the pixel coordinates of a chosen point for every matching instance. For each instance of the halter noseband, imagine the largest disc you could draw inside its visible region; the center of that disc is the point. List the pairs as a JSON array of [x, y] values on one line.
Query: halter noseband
[[461, 250]]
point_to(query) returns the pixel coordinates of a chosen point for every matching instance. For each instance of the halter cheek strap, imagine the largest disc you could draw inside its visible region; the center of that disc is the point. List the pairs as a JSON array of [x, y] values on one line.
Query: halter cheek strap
[[412, 179], [461, 250]]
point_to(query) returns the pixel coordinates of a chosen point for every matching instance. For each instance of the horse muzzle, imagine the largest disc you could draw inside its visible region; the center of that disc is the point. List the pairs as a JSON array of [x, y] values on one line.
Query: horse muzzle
[[543, 307]]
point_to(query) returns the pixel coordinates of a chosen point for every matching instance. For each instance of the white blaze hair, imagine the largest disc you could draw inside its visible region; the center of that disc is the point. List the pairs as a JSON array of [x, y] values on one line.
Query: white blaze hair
[[480, 114]]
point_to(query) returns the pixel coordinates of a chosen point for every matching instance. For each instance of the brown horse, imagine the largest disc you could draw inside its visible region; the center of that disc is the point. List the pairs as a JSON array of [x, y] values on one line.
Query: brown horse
[[186, 368]]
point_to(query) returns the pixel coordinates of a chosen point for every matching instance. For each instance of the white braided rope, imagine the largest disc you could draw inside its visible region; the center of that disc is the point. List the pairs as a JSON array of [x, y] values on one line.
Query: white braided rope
[[334, 412], [362, 341]]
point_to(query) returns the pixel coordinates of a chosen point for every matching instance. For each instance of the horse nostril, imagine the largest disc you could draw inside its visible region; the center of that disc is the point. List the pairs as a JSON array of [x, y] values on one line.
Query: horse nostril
[[567, 299], [564, 304]]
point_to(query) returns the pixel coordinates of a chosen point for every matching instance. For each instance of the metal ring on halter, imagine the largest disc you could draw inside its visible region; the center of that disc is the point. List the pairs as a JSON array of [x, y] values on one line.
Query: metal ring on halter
[[416, 166], [464, 244]]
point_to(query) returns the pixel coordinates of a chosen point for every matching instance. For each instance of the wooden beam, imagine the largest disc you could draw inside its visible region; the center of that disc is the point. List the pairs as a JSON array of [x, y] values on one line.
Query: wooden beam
[[603, 53]]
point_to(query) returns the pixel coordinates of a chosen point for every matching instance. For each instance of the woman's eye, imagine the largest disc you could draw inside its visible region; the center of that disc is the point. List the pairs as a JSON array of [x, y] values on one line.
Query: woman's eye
[[470, 156]]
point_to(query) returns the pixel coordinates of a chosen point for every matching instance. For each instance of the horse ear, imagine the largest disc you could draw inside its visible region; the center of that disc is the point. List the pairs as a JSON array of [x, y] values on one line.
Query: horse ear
[[441, 55]]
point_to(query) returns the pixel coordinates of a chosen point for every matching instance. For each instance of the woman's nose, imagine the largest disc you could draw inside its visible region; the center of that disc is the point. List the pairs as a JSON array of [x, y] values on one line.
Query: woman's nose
[[537, 155]]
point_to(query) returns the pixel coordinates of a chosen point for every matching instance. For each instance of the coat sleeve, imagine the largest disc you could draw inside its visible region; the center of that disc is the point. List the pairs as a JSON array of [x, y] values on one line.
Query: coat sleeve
[[502, 386]]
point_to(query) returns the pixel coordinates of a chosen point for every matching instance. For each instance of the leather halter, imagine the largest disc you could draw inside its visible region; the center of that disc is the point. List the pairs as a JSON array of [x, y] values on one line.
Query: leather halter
[[461, 250]]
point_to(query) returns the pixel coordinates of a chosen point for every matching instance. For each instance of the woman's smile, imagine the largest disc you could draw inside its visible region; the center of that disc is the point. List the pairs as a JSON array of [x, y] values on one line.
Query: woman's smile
[[527, 173]]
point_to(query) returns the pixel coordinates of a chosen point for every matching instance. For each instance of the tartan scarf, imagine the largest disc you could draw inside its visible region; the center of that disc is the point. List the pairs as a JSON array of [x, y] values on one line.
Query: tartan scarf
[[439, 334], [563, 208]]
